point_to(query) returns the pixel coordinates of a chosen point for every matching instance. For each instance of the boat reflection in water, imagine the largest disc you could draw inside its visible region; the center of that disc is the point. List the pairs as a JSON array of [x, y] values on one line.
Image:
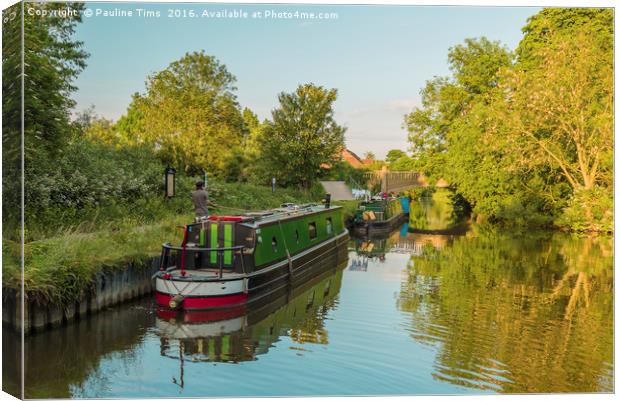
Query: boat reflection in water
[[71, 361], [241, 334], [402, 240]]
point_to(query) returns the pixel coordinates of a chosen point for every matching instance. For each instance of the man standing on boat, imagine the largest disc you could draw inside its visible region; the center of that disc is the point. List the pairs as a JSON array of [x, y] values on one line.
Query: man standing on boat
[[200, 197]]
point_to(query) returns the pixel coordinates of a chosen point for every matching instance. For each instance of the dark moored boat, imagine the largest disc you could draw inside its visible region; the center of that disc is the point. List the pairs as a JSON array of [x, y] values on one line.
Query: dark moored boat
[[227, 261], [380, 216]]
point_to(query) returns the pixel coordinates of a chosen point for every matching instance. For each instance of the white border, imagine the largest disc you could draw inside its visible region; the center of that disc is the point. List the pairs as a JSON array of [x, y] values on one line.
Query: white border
[[507, 3]]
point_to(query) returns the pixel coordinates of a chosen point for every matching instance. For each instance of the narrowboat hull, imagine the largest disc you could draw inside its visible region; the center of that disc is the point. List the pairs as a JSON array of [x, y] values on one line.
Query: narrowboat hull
[[204, 290], [379, 228]]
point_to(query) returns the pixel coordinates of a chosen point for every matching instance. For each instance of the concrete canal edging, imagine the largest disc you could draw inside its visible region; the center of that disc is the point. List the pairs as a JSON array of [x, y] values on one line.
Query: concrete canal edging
[[109, 287]]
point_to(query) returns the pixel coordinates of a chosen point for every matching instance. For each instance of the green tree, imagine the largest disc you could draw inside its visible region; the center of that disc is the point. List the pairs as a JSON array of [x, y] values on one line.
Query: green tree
[[445, 133], [302, 136], [560, 114], [398, 160], [403, 163], [474, 66], [52, 61], [129, 126], [190, 114], [528, 141], [253, 169], [394, 155], [103, 131], [540, 29]]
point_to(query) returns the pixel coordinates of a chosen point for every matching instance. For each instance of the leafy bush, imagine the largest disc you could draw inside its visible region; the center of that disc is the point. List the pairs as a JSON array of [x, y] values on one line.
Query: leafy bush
[[86, 184], [517, 211], [589, 210]]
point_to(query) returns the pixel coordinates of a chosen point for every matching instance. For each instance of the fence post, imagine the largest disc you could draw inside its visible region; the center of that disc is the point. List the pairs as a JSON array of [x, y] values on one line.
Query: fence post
[[384, 180]]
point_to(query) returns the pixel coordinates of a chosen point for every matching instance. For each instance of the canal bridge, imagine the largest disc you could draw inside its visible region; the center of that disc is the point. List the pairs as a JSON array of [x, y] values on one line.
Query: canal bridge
[[396, 181], [382, 180]]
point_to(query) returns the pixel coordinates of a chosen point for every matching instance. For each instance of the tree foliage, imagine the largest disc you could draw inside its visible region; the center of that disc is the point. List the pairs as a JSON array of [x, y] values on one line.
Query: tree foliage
[[445, 134], [51, 61], [252, 167], [302, 136], [393, 155], [520, 137], [561, 112], [189, 114], [540, 30], [398, 160], [557, 109]]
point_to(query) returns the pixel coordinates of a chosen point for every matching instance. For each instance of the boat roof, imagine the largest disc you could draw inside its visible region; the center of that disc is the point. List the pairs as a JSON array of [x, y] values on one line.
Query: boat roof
[[286, 211]]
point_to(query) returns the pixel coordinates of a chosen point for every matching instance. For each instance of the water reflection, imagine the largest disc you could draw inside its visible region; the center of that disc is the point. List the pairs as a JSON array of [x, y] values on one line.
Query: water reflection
[[61, 359], [516, 313], [239, 335], [437, 213], [66, 362], [399, 241], [415, 313]]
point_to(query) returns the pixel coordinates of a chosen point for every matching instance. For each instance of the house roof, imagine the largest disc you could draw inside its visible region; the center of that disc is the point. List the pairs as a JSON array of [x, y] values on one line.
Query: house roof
[[352, 153]]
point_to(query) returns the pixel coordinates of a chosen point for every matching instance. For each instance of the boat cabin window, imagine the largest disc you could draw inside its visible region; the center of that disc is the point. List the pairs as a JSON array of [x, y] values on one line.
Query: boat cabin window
[[329, 226], [312, 230], [297, 236], [274, 244]]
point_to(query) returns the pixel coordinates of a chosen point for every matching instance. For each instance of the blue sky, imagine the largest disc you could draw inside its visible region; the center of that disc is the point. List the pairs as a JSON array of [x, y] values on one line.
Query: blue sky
[[378, 57]]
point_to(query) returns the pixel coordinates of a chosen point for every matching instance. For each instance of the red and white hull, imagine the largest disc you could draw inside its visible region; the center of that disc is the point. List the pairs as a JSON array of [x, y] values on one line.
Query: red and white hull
[[197, 295]]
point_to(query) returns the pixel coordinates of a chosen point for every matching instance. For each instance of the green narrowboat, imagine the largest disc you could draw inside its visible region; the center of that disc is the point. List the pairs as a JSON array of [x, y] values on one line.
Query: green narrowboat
[[379, 216], [227, 261]]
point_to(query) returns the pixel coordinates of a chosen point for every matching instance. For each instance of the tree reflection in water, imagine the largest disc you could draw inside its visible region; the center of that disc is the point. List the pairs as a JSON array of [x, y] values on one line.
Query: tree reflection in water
[[516, 313]]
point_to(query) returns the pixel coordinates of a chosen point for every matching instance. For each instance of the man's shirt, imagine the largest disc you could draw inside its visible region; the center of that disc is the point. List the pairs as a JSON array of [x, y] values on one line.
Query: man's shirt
[[200, 199]]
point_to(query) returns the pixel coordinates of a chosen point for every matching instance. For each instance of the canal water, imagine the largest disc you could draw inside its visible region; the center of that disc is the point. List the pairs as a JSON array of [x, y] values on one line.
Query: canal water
[[415, 313]]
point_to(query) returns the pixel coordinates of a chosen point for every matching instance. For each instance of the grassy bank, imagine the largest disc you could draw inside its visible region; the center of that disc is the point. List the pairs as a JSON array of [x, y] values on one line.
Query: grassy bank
[[59, 266]]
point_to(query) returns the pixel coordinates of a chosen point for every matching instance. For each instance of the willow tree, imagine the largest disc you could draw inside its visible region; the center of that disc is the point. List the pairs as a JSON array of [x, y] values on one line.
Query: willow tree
[[189, 113]]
